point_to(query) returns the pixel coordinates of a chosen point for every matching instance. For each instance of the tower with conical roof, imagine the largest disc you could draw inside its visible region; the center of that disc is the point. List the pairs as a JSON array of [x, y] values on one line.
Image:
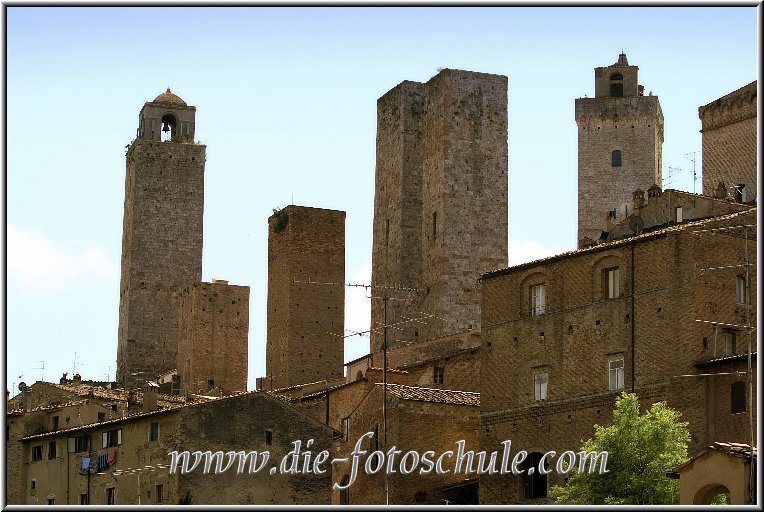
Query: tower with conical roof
[[162, 237], [620, 139]]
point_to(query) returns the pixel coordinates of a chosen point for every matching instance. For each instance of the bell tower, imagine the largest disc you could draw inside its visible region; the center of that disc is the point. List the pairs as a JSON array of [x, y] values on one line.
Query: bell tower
[[620, 140], [161, 239]]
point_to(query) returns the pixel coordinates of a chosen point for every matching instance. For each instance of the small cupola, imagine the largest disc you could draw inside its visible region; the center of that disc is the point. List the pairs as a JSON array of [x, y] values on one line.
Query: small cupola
[[167, 119]]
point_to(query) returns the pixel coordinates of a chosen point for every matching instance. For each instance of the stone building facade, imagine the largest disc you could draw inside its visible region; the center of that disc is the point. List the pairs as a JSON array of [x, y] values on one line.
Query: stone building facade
[[620, 137], [131, 457], [729, 144], [162, 237], [440, 203], [563, 336], [214, 327], [306, 296]]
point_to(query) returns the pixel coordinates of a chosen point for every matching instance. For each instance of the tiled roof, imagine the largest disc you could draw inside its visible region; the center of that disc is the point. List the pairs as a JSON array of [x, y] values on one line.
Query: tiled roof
[[725, 359], [444, 396], [624, 241], [736, 449], [170, 98], [51, 407]]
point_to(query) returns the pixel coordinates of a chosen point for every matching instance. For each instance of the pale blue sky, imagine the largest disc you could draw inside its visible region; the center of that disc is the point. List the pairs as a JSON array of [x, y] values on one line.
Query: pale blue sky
[[286, 104]]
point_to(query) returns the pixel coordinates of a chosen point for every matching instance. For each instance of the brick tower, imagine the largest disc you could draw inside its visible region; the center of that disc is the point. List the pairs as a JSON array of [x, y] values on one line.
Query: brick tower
[[212, 348], [440, 203], [306, 296], [161, 239], [620, 138]]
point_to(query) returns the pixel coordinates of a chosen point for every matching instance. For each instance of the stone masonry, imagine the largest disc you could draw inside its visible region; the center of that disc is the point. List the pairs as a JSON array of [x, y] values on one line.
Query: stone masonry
[[306, 296], [212, 350], [620, 137], [729, 142], [588, 345], [161, 243], [440, 203]]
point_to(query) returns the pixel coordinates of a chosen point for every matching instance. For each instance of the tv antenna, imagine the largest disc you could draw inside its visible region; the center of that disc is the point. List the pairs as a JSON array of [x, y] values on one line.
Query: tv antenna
[[42, 370], [694, 174]]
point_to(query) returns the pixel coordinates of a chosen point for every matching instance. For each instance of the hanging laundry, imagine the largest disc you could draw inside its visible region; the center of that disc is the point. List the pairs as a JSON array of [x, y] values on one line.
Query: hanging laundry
[[112, 457], [85, 465]]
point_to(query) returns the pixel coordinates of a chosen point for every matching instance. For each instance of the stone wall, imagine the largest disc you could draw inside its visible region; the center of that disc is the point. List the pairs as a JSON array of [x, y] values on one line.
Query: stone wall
[[440, 205], [306, 296], [161, 253], [214, 326], [729, 141], [651, 327]]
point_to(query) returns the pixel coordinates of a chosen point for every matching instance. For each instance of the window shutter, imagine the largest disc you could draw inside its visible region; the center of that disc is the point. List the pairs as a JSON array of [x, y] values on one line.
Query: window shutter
[[105, 438], [119, 436], [71, 444]]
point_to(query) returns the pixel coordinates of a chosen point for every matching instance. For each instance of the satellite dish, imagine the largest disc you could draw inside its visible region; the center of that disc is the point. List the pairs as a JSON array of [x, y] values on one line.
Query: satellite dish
[[636, 224]]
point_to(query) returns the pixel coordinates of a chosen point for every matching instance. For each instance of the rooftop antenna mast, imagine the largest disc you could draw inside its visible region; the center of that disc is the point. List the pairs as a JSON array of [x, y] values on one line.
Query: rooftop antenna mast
[[42, 370], [694, 174], [74, 364]]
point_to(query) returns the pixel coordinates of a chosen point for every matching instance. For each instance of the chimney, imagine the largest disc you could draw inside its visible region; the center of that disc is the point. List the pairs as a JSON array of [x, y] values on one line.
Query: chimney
[[653, 191], [150, 397], [26, 396], [639, 200], [63, 378]]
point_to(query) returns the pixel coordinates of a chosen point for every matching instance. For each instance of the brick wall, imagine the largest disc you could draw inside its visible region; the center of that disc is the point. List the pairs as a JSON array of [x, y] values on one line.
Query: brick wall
[[729, 141], [306, 297], [214, 323]]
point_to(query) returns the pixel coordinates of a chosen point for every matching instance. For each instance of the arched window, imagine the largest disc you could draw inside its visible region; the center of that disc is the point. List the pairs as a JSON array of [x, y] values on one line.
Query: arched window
[[616, 76], [616, 85], [615, 158], [737, 397]]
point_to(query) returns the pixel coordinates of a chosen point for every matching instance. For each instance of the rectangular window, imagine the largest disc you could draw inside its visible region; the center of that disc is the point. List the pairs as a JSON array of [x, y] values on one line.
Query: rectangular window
[[81, 444], [611, 283], [438, 374], [112, 438], [434, 224], [36, 453], [345, 429], [740, 193], [538, 300], [679, 217], [55, 422], [540, 384], [729, 343], [615, 374], [51, 501], [387, 231], [52, 450], [154, 431], [84, 499], [210, 385], [740, 290], [111, 496], [269, 437], [160, 494], [737, 397], [101, 417]]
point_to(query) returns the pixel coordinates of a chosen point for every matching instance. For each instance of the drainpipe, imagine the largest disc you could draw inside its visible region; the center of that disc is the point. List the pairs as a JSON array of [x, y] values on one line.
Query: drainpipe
[[633, 358]]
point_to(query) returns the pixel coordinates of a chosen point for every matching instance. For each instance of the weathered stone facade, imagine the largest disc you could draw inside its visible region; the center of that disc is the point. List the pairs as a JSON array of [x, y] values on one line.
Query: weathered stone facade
[[620, 137], [440, 203], [306, 296], [729, 143], [162, 239], [139, 444], [214, 327], [587, 344]]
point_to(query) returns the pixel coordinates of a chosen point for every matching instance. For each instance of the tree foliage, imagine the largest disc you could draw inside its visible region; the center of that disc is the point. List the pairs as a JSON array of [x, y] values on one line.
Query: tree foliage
[[641, 449]]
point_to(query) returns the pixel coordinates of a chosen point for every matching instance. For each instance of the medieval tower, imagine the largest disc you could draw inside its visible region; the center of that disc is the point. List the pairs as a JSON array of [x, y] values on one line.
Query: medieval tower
[[306, 296], [162, 237], [620, 138], [440, 204]]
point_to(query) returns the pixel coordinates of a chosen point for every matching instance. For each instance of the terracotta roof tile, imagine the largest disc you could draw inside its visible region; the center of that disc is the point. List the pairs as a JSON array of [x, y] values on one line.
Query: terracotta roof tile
[[444, 396]]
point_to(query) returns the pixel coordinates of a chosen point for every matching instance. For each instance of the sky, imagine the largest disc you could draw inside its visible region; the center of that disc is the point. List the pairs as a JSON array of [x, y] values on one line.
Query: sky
[[286, 105]]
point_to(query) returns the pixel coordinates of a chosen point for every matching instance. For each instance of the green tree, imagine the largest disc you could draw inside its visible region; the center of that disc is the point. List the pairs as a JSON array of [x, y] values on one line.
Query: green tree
[[641, 449]]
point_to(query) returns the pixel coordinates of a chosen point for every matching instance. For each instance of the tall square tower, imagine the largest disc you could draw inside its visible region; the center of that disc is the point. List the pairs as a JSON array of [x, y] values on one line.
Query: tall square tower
[[620, 140], [306, 296], [162, 237], [440, 203]]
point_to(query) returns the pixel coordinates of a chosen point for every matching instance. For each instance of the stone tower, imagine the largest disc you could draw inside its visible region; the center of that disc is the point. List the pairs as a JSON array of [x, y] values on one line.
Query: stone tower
[[212, 348], [306, 296], [440, 203], [729, 144], [161, 239], [620, 138]]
